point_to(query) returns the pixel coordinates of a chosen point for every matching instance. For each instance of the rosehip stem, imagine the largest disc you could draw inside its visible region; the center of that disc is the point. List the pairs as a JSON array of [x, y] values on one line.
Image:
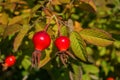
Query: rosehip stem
[[46, 27], [59, 26]]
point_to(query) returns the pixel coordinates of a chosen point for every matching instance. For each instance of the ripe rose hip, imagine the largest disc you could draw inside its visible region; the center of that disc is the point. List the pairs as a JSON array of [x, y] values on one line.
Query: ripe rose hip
[[110, 78], [41, 40], [62, 43], [10, 60]]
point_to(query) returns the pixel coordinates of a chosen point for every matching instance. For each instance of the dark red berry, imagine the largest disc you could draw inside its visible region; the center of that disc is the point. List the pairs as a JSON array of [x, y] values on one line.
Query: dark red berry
[[62, 43], [10, 60], [110, 78], [41, 40]]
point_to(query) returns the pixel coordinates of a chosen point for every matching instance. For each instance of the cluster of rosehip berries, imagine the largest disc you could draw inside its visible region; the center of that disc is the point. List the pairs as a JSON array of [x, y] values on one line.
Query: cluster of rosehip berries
[[42, 40]]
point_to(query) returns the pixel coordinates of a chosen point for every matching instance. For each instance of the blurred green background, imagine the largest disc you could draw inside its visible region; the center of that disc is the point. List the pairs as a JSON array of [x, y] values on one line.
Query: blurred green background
[[24, 17]]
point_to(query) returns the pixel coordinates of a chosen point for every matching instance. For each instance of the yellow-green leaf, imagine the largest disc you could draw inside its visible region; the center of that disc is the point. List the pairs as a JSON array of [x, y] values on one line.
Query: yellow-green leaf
[[90, 68], [18, 19], [39, 26], [47, 57], [20, 36], [96, 37], [10, 7], [11, 30], [26, 63], [36, 7], [55, 2], [2, 28], [15, 20], [64, 31], [88, 5], [4, 18], [77, 72], [78, 46], [86, 77], [64, 1], [14, 1]]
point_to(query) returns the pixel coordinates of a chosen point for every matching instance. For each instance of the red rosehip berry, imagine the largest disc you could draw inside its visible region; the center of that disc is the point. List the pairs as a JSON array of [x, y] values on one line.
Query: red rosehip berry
[[110, 78], [10, 60], [62, 43], [41, 40]]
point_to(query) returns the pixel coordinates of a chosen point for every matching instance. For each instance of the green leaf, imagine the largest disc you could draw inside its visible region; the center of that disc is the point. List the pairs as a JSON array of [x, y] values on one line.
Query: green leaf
[[105, 66], [96, 37], [26, 63], [90, 68], [64, 31], [20, 36], [78, 46], [102, 51], [77, 72], [11, 30], [36, 7], [75, 16], [86, 77]]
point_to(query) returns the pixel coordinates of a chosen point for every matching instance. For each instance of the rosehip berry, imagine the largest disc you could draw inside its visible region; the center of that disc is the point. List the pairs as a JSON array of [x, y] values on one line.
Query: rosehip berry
[[110, 78], [41, 40], [62, 43], [10, 61]]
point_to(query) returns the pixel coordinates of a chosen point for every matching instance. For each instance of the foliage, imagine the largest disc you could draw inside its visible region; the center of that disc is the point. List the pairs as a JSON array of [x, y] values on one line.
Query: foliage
[[93, 29]]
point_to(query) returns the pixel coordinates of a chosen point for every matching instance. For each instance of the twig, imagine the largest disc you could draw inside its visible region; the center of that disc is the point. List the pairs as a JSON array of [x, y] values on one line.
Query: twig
[[25, 77]]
